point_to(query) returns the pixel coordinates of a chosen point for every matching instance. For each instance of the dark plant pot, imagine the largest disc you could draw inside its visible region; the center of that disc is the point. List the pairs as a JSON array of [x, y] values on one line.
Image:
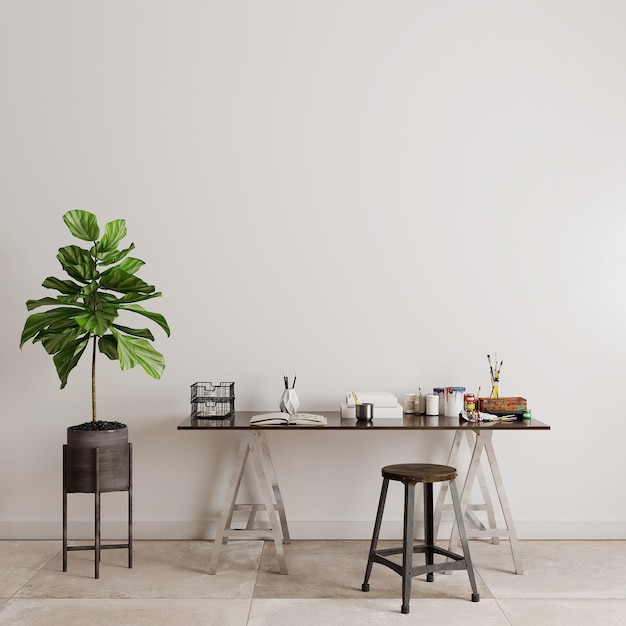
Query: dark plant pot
[[113, 459]]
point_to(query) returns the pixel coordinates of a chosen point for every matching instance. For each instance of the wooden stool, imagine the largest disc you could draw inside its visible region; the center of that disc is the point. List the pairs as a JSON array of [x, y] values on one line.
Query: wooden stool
[[409, 474]]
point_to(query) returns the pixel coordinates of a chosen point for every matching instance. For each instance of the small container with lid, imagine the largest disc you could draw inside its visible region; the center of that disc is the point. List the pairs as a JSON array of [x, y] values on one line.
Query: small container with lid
[[441, 393], [432, 404], [410, 399]]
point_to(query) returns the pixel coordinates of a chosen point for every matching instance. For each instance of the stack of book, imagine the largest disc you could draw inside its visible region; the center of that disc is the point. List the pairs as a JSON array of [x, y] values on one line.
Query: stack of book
[[386, 405]]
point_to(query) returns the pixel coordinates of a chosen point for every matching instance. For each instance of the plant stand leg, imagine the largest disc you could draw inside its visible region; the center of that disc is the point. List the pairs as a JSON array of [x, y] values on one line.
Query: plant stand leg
[[130, 505], [65, 507], [97, 515]]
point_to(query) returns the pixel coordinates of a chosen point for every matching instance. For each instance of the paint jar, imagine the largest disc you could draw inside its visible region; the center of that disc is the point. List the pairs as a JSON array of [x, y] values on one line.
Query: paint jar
[[409, 403], [454, 398], [432, 404], [440, 392], [469, 403]]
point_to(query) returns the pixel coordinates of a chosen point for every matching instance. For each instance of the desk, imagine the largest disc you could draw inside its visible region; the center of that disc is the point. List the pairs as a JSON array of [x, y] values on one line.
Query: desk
[[253, 445]]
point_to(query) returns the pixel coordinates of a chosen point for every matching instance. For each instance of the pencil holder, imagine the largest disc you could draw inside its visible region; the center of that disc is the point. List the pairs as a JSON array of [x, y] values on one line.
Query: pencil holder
[[289, 402]]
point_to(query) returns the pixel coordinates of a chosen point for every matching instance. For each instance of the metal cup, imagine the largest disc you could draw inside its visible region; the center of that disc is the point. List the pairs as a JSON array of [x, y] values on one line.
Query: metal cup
[[364, 411]]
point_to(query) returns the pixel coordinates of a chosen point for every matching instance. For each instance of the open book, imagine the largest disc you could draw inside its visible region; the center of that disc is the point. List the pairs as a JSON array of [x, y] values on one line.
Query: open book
[[284, 419]]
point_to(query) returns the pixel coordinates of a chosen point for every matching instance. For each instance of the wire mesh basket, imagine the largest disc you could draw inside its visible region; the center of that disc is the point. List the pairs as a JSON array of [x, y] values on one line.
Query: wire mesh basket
[[214, 401]]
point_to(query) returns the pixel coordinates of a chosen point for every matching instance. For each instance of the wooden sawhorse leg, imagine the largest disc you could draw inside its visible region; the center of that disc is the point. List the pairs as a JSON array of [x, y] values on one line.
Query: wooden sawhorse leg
[[476, 530], [253, 445], [470, 509]]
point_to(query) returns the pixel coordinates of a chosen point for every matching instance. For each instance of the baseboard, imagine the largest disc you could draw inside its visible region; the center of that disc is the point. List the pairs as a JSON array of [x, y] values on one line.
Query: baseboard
[[201, 530]]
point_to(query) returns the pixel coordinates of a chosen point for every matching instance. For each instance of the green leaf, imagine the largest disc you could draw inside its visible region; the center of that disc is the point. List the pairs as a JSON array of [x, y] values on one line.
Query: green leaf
[[38, 321], [82, 224], [108, 298], [155, 317], [108, 346], [144, 333], [64, 286], [133, 351], [114, 232], [99, 321], [58, 326], [113, 256], [77, 263], [139, 297], [131, 265], [34, 304], [54, 342], [116, 279], [89, 289], [67, 359]]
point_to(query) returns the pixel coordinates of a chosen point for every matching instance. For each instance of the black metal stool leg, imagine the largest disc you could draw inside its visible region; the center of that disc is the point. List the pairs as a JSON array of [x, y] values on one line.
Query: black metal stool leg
[[463, 537], [407, 554], [379, 518], [429, 537]]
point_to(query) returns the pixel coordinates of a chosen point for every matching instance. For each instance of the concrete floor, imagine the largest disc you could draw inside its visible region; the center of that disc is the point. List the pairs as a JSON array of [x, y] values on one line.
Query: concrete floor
[[565, 582]]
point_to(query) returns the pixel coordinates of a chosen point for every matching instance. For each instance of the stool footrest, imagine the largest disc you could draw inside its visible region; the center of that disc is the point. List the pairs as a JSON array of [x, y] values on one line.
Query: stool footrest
[[457, 562], [110, 546], [420, 548]]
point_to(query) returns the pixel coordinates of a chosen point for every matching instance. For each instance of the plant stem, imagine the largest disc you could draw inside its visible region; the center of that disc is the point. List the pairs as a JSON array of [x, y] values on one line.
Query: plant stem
[[94, 415], [93, 382]]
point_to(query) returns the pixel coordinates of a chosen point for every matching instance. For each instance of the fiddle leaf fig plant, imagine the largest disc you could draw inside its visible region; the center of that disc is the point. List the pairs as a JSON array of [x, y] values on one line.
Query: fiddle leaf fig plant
[[102, 286]]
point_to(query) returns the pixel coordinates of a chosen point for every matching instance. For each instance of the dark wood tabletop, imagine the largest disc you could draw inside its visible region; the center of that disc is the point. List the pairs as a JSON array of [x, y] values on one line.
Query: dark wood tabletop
[[241, 421]]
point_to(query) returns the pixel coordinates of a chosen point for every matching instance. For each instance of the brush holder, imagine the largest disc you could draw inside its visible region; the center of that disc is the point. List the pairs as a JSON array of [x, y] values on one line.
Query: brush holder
[[495, 389]]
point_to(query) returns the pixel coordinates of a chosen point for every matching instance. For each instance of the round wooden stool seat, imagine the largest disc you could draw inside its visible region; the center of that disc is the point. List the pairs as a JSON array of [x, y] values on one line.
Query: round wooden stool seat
[[411, 473]]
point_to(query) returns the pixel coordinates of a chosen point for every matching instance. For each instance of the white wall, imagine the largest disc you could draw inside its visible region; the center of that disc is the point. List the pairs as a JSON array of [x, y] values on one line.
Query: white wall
[[371, 194]]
